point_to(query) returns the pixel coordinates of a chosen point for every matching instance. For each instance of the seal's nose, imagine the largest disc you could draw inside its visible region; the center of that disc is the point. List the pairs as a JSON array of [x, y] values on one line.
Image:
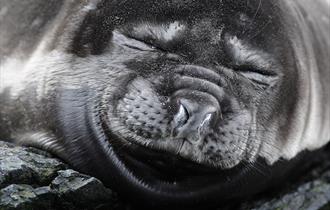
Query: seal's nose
[[194, 118]]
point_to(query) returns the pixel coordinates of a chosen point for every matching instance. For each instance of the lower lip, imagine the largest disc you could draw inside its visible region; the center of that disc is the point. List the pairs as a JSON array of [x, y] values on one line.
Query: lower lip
[[151, 164]]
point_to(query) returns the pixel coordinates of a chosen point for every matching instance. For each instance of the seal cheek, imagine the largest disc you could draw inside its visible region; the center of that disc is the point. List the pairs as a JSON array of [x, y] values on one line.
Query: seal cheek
[[140, 112]]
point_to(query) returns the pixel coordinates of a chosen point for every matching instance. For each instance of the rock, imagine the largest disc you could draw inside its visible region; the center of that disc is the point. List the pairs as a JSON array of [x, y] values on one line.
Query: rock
[[81, 190], [26, 197], [23, 166], [313, 195], [33, 179]]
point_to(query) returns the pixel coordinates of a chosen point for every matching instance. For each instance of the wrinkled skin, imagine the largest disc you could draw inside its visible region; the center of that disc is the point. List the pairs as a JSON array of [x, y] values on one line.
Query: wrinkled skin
[[173, 102]]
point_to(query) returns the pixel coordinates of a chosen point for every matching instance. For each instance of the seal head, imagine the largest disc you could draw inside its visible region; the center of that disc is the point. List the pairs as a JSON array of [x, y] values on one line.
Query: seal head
[[181, 104]]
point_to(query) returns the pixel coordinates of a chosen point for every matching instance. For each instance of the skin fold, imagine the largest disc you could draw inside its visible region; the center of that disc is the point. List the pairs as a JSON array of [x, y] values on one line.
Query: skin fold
[[168, 102]]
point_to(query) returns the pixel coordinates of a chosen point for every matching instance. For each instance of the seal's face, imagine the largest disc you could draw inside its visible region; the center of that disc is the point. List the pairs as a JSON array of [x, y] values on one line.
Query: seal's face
[[195, 85]]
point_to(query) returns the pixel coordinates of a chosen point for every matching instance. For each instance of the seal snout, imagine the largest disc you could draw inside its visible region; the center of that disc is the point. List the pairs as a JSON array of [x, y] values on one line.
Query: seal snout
[[195, 115]]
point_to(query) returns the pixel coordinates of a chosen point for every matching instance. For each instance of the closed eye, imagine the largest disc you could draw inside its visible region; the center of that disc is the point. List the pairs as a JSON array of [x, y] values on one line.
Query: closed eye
[[132, 42], [137, 43], [255, 69], [143, 44], [254, 64], [257, 75]]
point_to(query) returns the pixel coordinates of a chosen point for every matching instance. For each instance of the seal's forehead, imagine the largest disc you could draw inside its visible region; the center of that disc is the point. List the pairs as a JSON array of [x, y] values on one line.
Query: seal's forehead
[[184, 9], [239, 17]]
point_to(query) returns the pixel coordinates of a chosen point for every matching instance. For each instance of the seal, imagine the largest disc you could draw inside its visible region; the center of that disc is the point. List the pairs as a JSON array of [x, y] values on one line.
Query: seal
[[171, 103]]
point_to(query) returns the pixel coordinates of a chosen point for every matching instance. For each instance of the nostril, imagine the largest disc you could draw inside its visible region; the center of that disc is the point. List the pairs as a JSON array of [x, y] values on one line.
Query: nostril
[[181, 117], [206, 123]]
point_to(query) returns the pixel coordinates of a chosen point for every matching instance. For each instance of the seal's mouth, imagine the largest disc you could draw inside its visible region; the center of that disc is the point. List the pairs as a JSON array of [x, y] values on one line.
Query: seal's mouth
[[164, 166]]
